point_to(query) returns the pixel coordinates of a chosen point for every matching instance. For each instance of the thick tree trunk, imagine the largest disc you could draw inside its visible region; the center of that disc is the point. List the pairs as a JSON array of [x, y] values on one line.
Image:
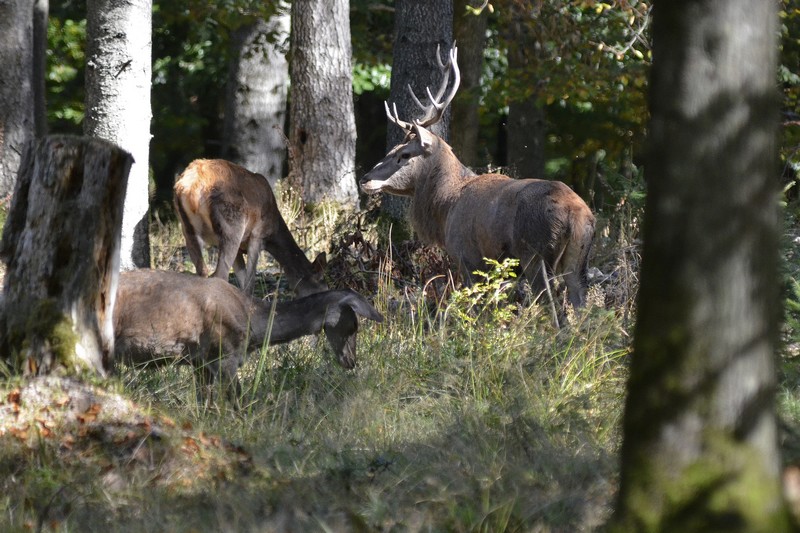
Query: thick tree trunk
[[41, 10], [322, 131], [16, 90], [419, 27], [470, 34], [525, 131], [118, 67], [525, 125], [700, 448], [61, 247], [255, 105]]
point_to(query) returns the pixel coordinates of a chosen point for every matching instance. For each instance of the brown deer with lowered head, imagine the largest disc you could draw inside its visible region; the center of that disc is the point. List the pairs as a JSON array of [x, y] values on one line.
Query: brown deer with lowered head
[[164, 317], [484, 216], [221, 203]]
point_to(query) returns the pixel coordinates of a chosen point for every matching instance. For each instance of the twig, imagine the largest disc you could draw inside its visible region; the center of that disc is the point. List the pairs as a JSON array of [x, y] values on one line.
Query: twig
[[550, 295]]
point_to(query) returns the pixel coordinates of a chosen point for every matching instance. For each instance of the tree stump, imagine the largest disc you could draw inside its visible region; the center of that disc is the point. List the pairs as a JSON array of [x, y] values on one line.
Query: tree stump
[[61, 247]]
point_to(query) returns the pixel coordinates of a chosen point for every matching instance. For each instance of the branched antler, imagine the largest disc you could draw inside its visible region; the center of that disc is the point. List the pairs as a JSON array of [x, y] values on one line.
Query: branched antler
[[434, 111]]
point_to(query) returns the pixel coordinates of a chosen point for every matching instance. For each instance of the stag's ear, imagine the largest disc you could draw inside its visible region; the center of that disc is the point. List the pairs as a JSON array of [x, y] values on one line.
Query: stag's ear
[[425, 137], [320, 263]]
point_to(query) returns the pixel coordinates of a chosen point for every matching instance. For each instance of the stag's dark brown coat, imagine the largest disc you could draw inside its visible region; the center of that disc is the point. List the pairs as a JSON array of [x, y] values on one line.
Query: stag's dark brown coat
[[485, 216]]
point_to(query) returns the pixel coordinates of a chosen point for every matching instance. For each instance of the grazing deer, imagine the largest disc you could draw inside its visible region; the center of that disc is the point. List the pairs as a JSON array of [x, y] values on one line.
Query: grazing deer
[[484, 216], [221, 203], [162, 316]]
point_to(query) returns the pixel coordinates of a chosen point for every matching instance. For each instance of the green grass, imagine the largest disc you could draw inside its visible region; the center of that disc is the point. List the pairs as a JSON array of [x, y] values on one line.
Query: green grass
[[467, 416]]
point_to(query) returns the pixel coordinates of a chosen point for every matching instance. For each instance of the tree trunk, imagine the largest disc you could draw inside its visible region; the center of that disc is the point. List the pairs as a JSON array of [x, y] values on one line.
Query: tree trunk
[[61, 248], [118, 67], [322, 130], [525, 125], [470, 34], [41, 10], [419, 27], [16, 91], [255, 105], [700, 448]]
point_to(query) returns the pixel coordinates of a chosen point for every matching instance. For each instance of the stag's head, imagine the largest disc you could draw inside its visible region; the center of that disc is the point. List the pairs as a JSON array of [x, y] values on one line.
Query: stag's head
[[397, 171]]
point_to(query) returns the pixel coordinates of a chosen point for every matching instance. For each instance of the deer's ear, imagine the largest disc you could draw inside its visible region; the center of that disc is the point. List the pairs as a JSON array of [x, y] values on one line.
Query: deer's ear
[[320, 262], [425, 137]]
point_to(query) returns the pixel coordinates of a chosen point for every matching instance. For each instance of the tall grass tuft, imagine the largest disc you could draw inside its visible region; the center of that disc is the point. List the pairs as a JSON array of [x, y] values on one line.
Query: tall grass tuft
[[468, 410]]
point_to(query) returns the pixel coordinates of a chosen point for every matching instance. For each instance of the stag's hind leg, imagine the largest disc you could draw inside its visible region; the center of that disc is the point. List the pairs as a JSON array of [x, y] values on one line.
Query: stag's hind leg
[[576, 264], [576, 289]]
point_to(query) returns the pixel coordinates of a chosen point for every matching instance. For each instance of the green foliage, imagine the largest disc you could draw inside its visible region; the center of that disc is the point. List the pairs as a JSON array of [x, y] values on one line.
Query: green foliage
[[472, 417], [789, 81], [487, 297], [371, 77], [65, 65], [372, 31]]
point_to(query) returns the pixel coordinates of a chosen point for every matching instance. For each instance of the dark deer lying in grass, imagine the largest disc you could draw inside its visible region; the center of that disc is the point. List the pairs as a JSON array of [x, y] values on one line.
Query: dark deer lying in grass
[[484, 216], [221, 203], [163, 317]]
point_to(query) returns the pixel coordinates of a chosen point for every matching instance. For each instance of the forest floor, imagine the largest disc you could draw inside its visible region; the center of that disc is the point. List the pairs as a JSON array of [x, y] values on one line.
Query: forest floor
[[467, 411]]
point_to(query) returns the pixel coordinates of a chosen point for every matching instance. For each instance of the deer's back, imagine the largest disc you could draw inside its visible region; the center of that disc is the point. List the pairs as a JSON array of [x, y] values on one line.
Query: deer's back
[[497, 216], [171, 314], [215, 185]]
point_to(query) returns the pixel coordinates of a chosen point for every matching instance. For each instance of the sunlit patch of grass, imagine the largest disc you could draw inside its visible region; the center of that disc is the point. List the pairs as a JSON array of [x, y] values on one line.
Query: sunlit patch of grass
[[463, 413]]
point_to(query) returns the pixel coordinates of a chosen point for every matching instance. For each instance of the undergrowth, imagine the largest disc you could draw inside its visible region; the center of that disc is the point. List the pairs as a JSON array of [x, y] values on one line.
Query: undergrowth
[[468, 411]]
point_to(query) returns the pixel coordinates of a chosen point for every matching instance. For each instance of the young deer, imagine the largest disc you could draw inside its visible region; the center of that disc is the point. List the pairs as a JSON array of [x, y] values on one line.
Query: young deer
[[162, 316], [221, 203], [484, 216]]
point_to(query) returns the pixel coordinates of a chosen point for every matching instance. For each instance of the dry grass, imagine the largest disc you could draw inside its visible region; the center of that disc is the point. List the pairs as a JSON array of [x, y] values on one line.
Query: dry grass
[[460, 416]]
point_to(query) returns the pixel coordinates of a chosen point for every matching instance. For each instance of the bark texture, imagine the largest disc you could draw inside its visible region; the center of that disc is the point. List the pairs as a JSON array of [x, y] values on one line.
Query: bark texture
[[525, 125], [118, 76], [700, 448], [419, 27], [41, 11], [16, 89], [470, 34], [255, 107], [61, 247], [322, 131]]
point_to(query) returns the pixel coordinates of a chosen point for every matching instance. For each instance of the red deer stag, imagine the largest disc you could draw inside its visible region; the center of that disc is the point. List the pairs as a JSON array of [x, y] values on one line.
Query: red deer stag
[[484, 216], [162, 316], [221, 203]]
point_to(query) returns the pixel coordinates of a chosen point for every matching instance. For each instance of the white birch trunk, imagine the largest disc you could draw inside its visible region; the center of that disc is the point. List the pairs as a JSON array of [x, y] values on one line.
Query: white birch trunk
[[118, 77]]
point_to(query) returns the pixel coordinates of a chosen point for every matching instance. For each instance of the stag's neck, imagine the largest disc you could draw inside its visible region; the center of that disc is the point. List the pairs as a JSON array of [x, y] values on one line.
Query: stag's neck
[[438, 188], [291, 319]]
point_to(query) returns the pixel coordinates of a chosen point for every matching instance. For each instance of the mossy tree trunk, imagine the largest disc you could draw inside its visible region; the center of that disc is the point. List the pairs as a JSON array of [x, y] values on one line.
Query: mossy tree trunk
[[61, 246], [700, 447]]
